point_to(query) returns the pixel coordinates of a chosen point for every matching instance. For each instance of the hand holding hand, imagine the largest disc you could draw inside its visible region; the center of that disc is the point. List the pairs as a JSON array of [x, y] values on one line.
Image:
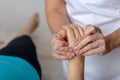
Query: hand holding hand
[[93, 43], [74, 34]]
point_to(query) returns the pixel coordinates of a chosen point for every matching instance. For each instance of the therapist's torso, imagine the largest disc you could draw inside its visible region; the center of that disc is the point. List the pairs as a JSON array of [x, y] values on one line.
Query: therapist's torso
[[106, 15]]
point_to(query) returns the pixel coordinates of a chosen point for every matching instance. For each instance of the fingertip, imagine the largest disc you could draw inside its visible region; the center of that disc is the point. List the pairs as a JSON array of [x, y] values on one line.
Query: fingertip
[[59, 35], [62, 33], [59, 57]]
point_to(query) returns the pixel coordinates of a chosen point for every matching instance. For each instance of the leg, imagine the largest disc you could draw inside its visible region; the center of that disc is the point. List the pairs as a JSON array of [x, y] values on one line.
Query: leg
[[23, 46], [31, 26]]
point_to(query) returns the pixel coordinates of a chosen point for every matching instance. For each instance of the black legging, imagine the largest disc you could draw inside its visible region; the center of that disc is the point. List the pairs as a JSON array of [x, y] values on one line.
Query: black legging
[[23, 47]]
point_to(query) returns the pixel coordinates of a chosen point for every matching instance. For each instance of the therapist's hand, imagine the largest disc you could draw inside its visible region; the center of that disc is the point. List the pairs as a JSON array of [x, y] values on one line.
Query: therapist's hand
[[93, 43], [63, 41], [60, 46]]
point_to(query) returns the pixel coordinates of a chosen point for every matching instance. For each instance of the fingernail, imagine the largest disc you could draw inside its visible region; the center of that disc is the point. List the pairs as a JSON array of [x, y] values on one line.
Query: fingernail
[[59, 35], [79, 47], [62, 33]]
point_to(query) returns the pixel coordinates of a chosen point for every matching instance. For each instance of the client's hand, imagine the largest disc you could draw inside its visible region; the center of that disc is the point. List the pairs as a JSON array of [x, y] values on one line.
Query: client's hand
[[75, 34]]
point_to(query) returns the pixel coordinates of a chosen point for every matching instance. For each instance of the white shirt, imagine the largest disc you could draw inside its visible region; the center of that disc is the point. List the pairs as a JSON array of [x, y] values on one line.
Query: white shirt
[[105, 14]]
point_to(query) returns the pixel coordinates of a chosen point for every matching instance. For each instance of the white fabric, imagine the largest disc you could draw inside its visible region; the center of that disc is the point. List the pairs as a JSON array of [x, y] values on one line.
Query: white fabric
[[106, 15]]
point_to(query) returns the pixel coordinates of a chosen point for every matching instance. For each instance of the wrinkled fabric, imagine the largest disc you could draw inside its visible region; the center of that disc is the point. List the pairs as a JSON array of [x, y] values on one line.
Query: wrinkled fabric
[[105, 14]]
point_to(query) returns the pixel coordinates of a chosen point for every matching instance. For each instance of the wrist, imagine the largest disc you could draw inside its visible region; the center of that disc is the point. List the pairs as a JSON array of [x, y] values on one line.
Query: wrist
[[108, 43], [113, 40]]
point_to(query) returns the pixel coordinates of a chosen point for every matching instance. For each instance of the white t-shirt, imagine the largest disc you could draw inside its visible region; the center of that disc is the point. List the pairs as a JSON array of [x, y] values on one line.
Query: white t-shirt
[[105, 14]]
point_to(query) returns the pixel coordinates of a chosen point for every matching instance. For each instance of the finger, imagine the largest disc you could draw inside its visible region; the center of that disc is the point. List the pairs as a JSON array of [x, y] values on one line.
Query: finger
[[88, 47], [70, 34], [60, 57], [55, 40], [76, 31], [81, 30], [58, 44], [61, 33], [90, 29], [89, 39], [71, 55], [65, 49], [60, 53], [92, 52]]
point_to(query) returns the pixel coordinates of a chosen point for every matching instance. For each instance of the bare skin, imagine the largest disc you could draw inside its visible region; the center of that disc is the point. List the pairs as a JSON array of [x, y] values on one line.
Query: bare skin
[[31, 26], [98, 43], [56, 14], [76, 65], [57, 17]]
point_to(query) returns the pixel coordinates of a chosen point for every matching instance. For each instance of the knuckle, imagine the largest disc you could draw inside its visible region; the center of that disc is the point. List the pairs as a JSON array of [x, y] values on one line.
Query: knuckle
[[103, 49], [89, 38], [90, 46], [101, 35], [55, 48], [76, 40], [101, 42], [93, 28]]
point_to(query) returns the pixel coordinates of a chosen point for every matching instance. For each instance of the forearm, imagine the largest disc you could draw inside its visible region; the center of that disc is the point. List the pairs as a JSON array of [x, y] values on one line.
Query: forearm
[[113, 40], [75, 63], [56, 20], [76, 68], [56, 14]]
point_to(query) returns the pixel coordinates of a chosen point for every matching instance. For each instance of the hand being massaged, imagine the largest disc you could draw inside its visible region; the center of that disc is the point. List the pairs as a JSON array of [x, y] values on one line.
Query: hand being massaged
[[66, 40], [74, 35], [75, 40]]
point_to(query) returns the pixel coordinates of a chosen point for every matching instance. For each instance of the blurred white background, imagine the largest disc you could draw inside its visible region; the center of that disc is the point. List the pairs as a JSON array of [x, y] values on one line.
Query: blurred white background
[[14, 15]]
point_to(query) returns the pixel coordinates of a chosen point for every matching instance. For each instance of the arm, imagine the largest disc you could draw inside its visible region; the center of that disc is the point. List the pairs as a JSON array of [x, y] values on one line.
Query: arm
[[56, 14], [113, 40], [75, 65], [76, 68], [57, 17]]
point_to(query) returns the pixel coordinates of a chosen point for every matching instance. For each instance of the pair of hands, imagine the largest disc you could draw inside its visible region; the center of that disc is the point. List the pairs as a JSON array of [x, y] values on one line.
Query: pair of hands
[[73, 40]]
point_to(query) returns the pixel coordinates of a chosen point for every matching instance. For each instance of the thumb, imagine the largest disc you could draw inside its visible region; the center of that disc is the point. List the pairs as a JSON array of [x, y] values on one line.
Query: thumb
[[61, 34]]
